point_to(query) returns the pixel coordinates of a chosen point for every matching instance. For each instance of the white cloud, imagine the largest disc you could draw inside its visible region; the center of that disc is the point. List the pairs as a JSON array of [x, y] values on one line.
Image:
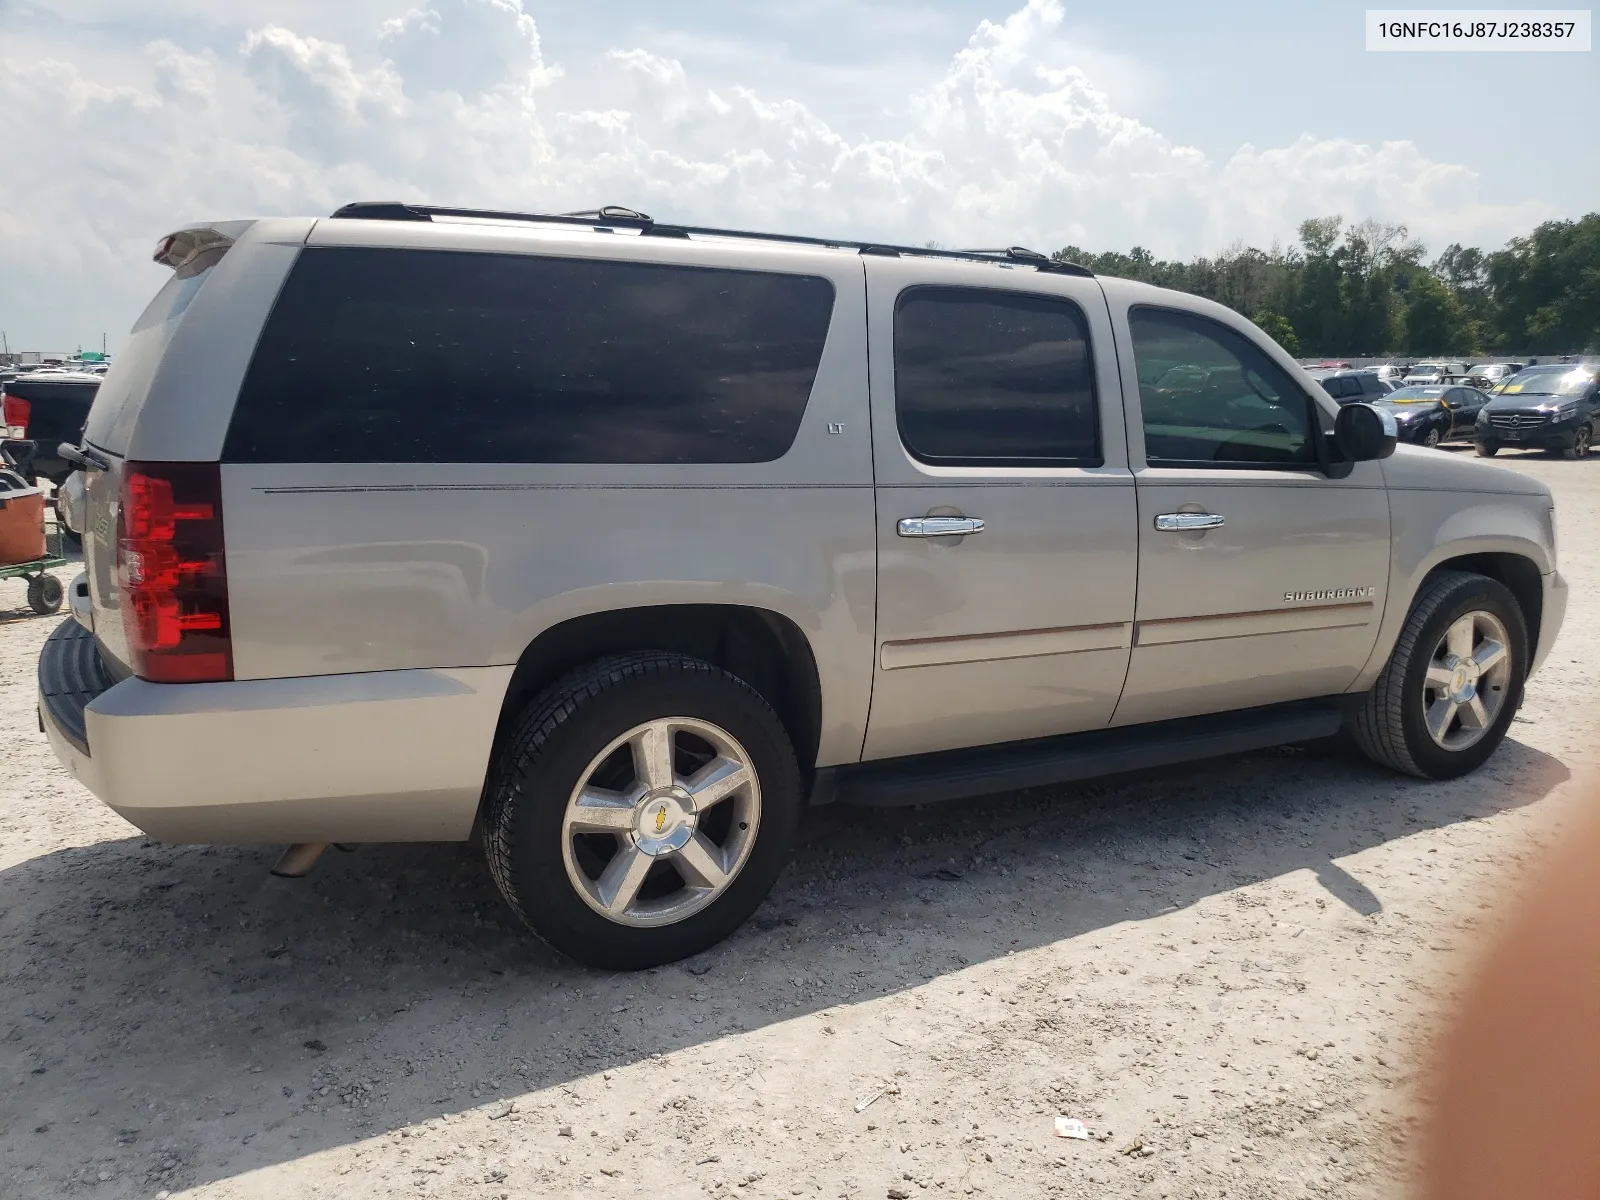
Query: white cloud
[[455, 102], [332, 111], [466, 46]]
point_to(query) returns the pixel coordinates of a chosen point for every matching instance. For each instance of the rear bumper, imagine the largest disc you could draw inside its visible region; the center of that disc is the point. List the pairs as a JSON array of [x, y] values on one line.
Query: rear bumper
[[386, 756], [1555, 612]]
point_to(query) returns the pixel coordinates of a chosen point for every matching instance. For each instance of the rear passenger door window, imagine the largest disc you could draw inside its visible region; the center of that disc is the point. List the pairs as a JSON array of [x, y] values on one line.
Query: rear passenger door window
[[1209, 397], [402, 356], [992, 378]]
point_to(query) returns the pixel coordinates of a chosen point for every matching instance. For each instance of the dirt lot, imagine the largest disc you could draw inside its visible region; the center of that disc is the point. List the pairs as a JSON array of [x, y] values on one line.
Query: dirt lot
[[1227, 971]]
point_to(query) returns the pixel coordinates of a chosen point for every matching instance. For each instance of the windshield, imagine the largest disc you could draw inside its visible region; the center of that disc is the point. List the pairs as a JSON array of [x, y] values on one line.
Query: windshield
[[1413, 395], [1426, 369], [1562, 381]]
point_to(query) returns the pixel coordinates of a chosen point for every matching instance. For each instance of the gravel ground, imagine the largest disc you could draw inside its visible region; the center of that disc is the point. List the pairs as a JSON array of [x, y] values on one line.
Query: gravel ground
[[1227, 971]]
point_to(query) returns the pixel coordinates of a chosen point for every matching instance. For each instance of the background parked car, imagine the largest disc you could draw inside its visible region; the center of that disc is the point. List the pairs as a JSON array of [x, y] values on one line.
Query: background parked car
[[1485, 375], [48, 407], [1552, 407], [1347, 387], [1436, 372], [1427, 416]]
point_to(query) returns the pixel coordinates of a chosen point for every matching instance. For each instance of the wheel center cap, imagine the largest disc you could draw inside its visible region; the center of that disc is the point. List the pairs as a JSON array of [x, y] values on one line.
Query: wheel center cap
[[1464, 682], [663, 822]]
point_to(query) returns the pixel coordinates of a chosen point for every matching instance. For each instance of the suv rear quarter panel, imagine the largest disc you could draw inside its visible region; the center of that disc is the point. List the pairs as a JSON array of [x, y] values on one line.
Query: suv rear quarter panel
[[345, 568]]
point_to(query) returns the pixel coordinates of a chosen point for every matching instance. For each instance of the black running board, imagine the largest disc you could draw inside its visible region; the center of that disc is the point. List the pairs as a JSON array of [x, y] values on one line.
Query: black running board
[[951, 774]]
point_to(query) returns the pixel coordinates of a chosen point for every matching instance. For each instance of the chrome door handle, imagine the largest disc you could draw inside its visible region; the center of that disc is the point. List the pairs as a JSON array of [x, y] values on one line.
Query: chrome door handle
[[1183, 522], [938, 526]]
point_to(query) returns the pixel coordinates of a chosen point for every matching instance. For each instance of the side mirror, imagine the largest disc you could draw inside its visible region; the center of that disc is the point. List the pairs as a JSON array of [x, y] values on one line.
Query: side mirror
[[1363, 433]]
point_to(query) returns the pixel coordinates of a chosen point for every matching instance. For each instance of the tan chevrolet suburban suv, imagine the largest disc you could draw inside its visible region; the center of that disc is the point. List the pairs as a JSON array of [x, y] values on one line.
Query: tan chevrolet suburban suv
[[615, 543]]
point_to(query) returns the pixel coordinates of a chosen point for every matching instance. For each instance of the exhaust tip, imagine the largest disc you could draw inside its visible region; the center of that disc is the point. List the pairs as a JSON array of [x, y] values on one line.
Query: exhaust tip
[[298, 859]]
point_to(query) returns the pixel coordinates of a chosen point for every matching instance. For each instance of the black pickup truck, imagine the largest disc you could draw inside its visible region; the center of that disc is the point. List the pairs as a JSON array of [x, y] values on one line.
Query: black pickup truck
[[48, 408]]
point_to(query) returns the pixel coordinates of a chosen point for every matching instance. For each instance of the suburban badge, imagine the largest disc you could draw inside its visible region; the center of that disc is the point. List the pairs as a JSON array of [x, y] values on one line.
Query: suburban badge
[[1353, 593]]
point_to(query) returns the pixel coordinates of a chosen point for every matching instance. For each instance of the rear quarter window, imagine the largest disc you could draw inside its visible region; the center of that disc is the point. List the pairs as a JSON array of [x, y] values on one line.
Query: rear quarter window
[[123, 389], [375, 355]]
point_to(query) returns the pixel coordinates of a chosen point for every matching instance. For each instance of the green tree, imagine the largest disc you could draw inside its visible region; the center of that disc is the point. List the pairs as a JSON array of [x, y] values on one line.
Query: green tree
[[1546, 289], [1465, 271], [1318, 313], [1276, 326], [1436, 321], [1365, 290]]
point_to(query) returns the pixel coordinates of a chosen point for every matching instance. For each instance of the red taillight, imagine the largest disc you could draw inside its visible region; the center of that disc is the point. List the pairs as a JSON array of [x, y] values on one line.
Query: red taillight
[[14, 414], [172, 574]]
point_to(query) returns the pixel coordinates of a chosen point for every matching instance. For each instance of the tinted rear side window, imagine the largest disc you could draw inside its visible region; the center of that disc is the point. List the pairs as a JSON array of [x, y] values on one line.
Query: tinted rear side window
[[987, 378], [439, 356]]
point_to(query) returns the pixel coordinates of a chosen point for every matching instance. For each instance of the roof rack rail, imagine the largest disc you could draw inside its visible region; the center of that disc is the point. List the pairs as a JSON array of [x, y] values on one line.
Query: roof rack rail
[[616, 215], [611, 212]]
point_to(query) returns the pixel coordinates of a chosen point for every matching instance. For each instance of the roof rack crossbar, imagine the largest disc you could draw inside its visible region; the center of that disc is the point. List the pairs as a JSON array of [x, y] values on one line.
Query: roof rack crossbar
[[615, 215]]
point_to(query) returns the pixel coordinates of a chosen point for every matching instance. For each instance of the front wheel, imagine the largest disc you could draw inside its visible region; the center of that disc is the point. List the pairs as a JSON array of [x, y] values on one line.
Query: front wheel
[[1582, 437], [1445, 698], [1488, 449], [641, 809], [1431, 439]]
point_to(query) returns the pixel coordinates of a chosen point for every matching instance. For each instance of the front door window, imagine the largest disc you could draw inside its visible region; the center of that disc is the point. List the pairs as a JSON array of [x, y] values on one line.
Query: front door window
[[1210, 397]]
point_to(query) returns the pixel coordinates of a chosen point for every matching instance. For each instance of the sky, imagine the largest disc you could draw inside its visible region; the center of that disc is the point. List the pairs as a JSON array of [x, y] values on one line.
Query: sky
[[1182, 128]]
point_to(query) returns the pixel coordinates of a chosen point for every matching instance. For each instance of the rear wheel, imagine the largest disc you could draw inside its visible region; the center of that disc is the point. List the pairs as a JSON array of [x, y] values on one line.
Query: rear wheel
[[641, 809], [1488, 449], [1445, 698]]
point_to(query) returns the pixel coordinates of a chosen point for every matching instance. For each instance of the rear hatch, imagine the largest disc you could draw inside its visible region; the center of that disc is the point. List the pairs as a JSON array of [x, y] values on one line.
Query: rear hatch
[[170, 390]]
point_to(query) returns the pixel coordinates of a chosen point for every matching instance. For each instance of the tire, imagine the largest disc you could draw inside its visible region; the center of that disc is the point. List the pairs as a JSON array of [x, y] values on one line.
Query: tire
[[1488, 449], [1431, 439], [45, 594], [1391, 726], [585, 730], [1582, 437]]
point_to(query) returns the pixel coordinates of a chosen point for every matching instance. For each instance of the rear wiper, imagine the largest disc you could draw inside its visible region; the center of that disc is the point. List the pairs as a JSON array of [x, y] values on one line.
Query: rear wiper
[[85, 458]]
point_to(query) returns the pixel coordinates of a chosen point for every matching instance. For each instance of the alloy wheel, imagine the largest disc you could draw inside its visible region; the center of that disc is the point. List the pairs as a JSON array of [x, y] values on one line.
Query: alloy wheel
[[1468, 679], [661, 822]]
